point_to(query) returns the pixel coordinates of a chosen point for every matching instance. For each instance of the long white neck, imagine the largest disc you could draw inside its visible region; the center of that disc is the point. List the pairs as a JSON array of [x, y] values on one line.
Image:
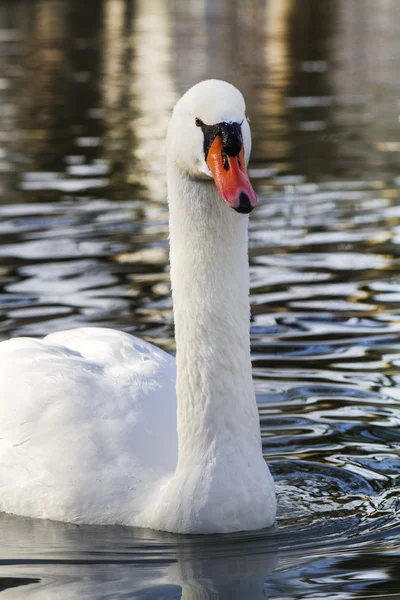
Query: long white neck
[[210, 288], [221, 482]]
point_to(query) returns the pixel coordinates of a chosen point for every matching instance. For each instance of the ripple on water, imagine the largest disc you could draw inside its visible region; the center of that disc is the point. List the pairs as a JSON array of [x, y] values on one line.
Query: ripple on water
[[324, 357], [83, 240]]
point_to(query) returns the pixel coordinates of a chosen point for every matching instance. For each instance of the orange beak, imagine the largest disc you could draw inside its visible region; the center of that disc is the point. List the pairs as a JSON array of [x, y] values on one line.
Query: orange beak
[[231, 179]]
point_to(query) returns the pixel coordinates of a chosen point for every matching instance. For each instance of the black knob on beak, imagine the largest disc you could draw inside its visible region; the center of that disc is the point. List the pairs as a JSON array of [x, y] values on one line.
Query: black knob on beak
[[230, 134]]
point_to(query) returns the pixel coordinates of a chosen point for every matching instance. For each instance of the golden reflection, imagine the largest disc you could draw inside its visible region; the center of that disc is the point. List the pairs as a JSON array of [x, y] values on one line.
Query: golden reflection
[[115, 89], [43, 87], [190, 42], [152, 94], [146, 255], [114, 47], [51, 21], [278, 67], [387, 146], [390, 193], [276, 49]]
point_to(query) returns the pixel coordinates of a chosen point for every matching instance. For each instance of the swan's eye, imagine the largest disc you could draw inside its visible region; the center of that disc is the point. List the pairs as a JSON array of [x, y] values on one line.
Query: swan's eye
[[198, 122]]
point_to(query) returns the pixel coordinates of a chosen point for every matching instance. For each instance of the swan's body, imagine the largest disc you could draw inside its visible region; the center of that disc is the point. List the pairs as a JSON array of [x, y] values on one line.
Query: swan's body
[[90, 427]]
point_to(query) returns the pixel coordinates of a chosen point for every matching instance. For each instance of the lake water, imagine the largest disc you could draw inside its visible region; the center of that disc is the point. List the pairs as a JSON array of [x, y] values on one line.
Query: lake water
[[86, 89]]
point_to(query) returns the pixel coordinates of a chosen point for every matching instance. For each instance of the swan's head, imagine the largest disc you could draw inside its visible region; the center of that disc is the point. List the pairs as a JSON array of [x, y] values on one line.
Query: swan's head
[[209, 137]]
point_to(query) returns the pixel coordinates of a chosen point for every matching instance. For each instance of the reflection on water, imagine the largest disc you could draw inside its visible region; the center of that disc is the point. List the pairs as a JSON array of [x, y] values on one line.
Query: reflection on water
[[85, 93]]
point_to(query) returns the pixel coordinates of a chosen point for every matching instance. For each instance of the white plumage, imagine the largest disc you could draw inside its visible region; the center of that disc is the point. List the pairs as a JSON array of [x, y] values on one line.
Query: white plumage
[[90, 427], [84, 416]]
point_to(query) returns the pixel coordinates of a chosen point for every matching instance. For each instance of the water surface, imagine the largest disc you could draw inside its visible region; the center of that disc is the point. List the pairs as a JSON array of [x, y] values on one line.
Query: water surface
[[86, 89]]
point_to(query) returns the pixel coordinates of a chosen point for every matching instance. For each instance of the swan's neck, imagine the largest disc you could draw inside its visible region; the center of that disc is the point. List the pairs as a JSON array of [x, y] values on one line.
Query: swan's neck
[[217, 412]]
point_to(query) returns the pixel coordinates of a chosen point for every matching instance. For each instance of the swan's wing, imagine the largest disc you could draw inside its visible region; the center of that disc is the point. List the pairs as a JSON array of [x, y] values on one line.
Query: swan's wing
[[87, 424]]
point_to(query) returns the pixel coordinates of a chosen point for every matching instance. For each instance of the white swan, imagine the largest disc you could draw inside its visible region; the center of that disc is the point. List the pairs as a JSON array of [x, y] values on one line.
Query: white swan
[[90, 428]]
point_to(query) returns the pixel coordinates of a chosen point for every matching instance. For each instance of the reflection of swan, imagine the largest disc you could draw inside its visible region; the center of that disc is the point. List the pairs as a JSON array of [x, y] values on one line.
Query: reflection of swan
[[88, 417], [232, 570], [77, 563]]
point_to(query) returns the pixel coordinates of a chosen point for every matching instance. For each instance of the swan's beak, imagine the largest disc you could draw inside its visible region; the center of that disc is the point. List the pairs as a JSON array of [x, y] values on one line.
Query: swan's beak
[[230, 176]]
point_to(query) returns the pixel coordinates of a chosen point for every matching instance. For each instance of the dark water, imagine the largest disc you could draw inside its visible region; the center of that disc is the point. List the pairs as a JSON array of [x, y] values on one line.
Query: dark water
[[86, 89]]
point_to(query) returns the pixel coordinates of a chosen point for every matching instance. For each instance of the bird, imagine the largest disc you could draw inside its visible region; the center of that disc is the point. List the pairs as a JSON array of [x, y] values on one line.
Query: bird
[[101, 427]]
